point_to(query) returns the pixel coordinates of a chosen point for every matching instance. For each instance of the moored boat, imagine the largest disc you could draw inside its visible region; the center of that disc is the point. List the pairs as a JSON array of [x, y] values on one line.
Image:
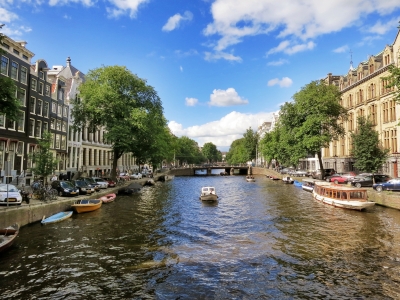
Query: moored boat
[[86, 205], [108, 198], [208, 193], [308, 184], [342, 196], [250, 178], [58, 217], [7, 236], [287, 179]]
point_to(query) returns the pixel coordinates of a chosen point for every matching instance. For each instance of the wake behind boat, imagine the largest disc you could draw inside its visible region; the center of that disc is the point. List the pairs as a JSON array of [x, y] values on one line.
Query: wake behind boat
[[208, 194], [58, 217], [341, 196]]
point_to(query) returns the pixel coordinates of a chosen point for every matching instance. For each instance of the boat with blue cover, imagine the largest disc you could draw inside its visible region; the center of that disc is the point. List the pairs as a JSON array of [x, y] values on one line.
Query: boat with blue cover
[[58, 217]]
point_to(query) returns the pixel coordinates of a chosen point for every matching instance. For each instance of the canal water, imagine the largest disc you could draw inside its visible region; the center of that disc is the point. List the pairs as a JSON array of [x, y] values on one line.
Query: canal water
[[262, 240]]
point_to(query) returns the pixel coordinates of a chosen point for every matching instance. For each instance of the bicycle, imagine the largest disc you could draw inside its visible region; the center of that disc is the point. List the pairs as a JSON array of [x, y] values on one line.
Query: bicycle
[[42, 192]]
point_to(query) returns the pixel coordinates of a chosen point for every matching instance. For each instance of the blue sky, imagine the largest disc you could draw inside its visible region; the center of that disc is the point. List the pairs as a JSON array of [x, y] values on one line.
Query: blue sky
[[219, 66]]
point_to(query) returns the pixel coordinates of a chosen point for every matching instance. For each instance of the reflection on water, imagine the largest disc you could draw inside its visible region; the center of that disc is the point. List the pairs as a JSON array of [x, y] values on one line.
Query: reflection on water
[[262, 240]]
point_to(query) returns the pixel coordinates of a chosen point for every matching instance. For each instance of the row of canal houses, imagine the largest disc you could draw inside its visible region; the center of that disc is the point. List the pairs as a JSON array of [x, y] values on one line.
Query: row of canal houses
[[364, 93], [46, 95]]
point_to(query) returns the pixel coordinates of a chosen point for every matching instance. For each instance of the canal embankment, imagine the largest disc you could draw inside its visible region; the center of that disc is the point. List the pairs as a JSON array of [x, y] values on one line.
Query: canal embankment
[[32, 212]]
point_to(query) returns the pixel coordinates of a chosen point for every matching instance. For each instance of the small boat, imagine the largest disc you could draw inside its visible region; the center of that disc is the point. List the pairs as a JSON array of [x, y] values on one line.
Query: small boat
[[274, 177], [58, 217], [250, 178], [108, 198], [308, 184], [86, 205], [287, 179], [131, 189], [341, 196], [208, 194], [7, 236], [297, 183]]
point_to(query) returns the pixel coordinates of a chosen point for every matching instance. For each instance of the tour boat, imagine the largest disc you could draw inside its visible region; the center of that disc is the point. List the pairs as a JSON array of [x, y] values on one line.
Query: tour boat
[[58, 217], [86, 205], [7, 236], [108, 198], [341, 196], [287, 179], [208, 194]]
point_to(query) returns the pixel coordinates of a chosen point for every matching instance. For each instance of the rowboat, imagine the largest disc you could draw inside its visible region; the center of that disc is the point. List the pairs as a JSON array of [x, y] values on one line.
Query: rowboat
[[108, 198], [7, 236], [58, 217], [86, 205], [341, 196], [208, 194], [250, 179]]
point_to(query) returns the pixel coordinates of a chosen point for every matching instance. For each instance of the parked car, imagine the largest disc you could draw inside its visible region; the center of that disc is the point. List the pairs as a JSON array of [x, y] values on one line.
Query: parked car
[[124, 176], [299, 173], [103, 184], [327, 172], [391, 185], [136, 176], [336, 178], [111, 183], [91, 182], [367, 181], [9, 194], [65, 188], [83, 187], [286, 170]]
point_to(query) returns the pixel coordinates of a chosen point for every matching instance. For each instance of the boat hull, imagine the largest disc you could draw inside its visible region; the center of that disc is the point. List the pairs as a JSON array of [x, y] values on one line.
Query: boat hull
[[58, 217], [209, 198], [87, 205], [108, 198], [356, 205], [7, 239]]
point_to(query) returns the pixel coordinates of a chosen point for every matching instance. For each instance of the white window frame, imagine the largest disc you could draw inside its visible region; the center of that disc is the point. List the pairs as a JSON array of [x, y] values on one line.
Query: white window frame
[[59, 110], [53, 123], [47, 90], [57, 145], [33, 84], [45, 126], [2, 121], [32, 107], [19, 92], [21, 122], [5, 61], [31, 121], [24, 78], [39, 110], [54, 107], [41, 88], [46, 104], [38, 127], [14, 70], [13, 126], [58, 125]]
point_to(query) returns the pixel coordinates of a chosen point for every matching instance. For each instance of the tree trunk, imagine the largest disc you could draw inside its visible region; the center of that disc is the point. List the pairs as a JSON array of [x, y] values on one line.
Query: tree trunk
[[321, 166]]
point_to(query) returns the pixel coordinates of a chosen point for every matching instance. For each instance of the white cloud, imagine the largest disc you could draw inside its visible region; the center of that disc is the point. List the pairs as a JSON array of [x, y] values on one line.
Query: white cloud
[[227, 97], [221, 55], [341, 49], [7, 16], [174, 21], [181, 68], [122, 7], [307, 19], [290, 48], [284, 82], [223, 131], [380, 28], [279, 62], [191, 101]]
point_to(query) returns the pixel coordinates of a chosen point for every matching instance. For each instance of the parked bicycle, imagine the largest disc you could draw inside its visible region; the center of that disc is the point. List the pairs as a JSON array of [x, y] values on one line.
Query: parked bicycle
[[43, 192]]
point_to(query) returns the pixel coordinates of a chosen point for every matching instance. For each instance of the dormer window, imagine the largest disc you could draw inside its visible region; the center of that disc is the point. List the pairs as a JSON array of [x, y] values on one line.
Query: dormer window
[[371, 69]]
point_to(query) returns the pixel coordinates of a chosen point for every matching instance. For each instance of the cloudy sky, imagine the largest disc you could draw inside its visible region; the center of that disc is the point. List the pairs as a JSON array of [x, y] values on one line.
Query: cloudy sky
[[219, 66]]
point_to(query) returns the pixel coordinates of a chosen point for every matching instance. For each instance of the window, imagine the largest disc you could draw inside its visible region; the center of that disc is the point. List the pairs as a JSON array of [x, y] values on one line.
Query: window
[[60, 94], [14, 70], [52, 123], [41, 88], [57, 141], [64, 126], [59, 110], [39, 107], [45, 127], [4, 65], [33, 84], [11, 125], [65, 112], [20, 148], [16, 51], [2, 121], [21, 122], [24, 75], [25, 57], [32, 104], [58, 124], [41, 75], [38, 129], [46, 109], [47, 90], [6, 46], [21, 96], [31, 127], [54, 107], [63, 142]]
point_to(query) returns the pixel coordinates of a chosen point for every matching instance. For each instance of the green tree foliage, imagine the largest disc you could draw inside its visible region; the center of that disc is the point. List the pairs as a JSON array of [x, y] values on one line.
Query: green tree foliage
[[237, 152], [187, 151], [307, 124], [44, 162], [211, 153], [250, 144], [130, 111], [366, 150]]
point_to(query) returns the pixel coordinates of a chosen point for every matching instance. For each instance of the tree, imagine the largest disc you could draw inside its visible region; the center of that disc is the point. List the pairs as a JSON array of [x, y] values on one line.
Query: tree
[[121, 102], [9, 104], [188, 151], [43, 159], [312, 121], [369, 155], [250, 144], [210, 152], [237, 152]]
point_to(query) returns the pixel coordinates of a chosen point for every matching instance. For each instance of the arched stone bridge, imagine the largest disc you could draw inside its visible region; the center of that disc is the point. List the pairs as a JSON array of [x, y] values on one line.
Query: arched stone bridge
[[207, 170]]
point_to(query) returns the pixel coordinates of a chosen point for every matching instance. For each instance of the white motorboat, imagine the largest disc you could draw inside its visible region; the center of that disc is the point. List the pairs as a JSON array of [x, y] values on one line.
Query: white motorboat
[[341, 196], [287, 179], [308, 184], [208, 193], [250, 178]]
